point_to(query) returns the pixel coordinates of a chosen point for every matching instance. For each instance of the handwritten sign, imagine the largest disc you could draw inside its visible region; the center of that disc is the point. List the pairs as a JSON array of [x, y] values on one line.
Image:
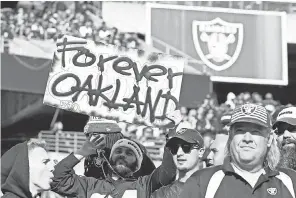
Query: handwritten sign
[[108, 81]]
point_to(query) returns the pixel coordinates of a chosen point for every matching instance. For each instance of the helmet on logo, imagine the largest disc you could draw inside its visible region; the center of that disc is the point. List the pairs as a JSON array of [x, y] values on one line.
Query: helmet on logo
[[218, 43]]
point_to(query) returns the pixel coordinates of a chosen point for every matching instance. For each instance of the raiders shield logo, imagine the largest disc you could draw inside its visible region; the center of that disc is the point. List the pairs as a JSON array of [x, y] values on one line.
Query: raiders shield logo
[[217, 42], [181, 131], [272, 191], [248, 109]]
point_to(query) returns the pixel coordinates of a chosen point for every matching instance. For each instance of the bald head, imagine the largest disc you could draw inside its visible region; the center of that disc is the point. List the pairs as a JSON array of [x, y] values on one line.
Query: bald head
[[217, 153]]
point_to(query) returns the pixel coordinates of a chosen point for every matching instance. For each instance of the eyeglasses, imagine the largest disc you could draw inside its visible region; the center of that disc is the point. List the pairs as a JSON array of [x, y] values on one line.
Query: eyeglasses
[[283, 127], [185, 147]]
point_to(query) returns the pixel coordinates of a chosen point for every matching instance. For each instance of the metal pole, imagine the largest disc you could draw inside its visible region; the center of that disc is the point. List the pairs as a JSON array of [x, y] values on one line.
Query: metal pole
[[54, 119]]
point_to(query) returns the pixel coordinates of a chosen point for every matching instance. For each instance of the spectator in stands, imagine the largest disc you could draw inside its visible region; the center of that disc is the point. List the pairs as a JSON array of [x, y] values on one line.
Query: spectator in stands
[[96, 165], [131, 131], [86, 30], [192, 117], [186, 146], [251, 165], [125, 159], [200, 118], [285, 126], [269, 101], [183, 111], [132, 41], [211, 119], [48, 20], [209, 128], [215, 146], [103, 30], [247, 97], [217, 150], [147, 135], [26, 170], [257, 98], [51, 31], [208, 137], [230, 100]]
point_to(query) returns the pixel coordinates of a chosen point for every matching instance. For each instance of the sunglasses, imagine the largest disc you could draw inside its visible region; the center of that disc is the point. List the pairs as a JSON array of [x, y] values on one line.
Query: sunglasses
[[283, 127], [185, 147]]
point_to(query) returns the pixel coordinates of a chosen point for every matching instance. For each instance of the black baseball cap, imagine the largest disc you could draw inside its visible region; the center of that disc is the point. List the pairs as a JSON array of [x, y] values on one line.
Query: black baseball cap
[[191, 136]]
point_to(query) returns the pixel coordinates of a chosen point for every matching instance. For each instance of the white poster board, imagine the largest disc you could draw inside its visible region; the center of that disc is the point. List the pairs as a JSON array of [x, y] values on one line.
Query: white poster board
[[112, 82]]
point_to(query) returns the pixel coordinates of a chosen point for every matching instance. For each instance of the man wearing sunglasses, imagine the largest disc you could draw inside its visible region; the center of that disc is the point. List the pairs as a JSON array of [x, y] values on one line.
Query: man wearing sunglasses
[[186, 145], [285, 128]]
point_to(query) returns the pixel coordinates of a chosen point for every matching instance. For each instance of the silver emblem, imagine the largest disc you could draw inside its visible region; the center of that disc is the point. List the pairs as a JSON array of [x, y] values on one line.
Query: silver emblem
[[181, 131], [248, 109], [217, 42], [272, 191]]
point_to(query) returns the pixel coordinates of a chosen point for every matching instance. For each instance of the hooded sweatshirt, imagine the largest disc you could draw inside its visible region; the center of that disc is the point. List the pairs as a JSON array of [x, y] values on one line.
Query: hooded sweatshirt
[[15, 172]]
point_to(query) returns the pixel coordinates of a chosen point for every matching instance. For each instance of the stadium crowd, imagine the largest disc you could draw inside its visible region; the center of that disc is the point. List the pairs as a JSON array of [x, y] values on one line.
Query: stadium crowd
[[47, 20], [116, 161], [83, 20], [210, 117], [256, 156]]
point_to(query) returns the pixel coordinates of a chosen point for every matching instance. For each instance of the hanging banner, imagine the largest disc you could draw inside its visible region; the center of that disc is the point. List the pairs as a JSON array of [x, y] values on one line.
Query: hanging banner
[[108, 81], [230, 45]]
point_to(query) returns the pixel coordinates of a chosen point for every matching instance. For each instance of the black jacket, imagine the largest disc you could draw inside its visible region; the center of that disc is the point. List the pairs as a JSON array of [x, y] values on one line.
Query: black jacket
[[66, 183], [172, 190], [95, 166]]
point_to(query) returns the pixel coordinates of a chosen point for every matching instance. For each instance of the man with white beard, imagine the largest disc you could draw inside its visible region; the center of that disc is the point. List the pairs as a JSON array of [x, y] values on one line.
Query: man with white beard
[[285, 126]]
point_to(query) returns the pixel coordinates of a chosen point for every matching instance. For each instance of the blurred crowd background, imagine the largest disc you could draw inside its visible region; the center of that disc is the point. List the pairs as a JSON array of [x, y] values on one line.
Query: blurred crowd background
[[47, 20]]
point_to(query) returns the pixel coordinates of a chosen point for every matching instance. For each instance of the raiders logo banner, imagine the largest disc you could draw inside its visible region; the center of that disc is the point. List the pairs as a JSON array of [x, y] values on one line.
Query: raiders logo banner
[[230, 45]]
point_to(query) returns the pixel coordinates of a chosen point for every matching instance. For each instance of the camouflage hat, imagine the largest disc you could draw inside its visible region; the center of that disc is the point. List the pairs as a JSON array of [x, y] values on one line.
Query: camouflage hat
[[99, 125]]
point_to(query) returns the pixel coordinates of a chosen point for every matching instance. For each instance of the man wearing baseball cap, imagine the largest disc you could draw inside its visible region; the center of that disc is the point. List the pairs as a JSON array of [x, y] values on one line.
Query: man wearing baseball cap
[[250, 169], [187, 147], [285, 128]]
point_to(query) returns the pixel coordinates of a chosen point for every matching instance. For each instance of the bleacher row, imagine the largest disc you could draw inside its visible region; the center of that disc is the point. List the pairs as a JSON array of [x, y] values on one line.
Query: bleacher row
[[50, 19], [71, 141]]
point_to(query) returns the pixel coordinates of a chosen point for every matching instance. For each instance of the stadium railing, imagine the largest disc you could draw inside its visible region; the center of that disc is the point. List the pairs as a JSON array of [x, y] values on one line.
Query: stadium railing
[[71, 141]]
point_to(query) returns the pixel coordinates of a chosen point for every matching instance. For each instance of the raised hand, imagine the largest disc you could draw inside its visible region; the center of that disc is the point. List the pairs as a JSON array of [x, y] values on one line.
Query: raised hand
[[175, 116], [91, 145]]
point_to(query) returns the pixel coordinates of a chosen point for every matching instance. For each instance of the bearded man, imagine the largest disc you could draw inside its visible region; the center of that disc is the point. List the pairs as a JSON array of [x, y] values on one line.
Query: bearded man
[[285, 128], [126, 157]]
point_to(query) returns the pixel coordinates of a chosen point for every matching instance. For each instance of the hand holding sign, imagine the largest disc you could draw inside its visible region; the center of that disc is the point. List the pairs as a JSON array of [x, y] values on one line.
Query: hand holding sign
[[175, 116]]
